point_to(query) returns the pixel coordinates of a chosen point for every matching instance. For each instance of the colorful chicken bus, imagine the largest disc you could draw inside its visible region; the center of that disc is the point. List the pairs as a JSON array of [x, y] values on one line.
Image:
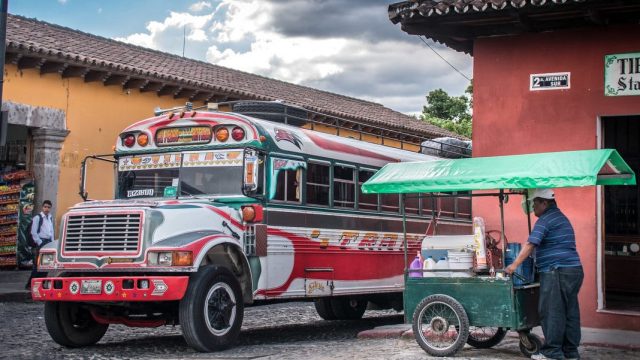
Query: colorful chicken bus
[[215, 211]]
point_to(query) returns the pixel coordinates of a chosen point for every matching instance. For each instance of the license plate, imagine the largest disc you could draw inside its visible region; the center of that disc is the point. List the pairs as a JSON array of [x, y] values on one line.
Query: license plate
[[91, 287]]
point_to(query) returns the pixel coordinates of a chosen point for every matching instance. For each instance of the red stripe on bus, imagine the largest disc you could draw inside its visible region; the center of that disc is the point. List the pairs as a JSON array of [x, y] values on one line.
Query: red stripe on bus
[[344, 148]]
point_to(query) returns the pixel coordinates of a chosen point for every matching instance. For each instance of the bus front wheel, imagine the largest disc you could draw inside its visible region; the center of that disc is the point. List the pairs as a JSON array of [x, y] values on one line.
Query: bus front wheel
[[70, 324], [211, 312]]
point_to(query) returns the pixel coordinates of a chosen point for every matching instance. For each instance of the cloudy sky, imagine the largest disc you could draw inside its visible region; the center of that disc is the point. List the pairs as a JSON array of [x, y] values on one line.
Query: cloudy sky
[[344, 46]]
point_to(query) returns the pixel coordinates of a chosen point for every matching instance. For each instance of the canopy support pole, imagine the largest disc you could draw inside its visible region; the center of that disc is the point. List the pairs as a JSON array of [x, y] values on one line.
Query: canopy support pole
[[526, 201], [502, 237], [404, 231]]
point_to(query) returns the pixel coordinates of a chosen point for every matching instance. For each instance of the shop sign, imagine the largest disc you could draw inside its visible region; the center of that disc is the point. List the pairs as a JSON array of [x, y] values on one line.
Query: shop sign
[[622, 74], [550, 81]]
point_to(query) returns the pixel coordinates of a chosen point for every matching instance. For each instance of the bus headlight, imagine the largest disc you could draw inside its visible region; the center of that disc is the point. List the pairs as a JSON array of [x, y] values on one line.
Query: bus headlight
[[46, 259], [170, 258]]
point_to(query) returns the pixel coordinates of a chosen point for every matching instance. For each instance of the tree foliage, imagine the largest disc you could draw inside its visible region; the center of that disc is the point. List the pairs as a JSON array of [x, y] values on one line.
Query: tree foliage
[[452, 113]]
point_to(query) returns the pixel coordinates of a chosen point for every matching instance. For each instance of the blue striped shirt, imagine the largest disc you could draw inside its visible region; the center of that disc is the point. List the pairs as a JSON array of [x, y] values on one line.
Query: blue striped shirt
[[554, 240]]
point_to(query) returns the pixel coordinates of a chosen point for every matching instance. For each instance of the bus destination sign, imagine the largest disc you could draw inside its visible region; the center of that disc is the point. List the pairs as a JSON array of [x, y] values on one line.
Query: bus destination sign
[[188, 135]]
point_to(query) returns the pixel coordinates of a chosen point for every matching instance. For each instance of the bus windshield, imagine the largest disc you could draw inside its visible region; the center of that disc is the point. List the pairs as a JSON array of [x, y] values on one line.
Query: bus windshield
[[216, 172]]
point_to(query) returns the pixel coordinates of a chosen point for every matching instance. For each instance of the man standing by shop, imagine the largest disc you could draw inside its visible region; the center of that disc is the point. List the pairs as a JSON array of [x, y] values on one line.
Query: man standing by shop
[[561, 275], [42, 234]]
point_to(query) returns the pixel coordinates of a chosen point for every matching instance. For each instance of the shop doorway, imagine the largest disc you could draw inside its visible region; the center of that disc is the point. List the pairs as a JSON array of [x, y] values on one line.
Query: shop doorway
[[15, 203], [622, 220]]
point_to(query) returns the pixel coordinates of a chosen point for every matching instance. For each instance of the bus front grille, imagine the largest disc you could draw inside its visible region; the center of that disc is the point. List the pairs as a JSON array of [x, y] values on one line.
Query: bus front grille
[[103, 233]]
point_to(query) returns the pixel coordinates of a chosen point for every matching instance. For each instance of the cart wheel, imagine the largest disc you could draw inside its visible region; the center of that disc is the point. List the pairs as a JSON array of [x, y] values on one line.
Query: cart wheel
[[529, 344], [484, 337], [440, 325]]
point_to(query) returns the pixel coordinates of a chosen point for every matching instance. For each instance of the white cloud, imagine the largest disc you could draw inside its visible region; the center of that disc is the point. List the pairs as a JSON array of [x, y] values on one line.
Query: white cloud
[[99, 10], [62, 1], [168, 35], [396, 70], [199, 6]]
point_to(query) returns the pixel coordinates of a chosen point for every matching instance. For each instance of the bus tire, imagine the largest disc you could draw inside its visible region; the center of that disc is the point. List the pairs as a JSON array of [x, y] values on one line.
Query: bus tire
[[323, 308], [71, 325], [211, 312], [348, 308]]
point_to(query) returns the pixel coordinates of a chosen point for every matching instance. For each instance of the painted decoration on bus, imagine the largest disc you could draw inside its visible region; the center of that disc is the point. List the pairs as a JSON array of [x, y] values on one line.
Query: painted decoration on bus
[[188, 135], [213, 158], [286, 135], [143, 162]]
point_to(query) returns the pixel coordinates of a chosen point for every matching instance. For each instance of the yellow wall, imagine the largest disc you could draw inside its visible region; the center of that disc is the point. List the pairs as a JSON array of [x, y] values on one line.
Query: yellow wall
[[95, 115]]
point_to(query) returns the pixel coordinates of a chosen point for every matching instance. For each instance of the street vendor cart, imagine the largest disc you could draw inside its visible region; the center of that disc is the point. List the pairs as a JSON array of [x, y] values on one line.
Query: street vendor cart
[[448, 310]]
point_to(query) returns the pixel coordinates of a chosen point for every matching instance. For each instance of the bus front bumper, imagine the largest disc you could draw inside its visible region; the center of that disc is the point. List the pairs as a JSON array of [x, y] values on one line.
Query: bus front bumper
[[109, 289]]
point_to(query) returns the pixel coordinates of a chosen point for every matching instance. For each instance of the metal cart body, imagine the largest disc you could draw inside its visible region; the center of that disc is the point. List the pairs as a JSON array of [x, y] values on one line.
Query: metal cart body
[[488, 301]]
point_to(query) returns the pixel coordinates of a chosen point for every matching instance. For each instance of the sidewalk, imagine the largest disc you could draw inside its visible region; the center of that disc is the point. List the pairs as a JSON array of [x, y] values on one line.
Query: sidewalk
[[620, 339], [12, 286]]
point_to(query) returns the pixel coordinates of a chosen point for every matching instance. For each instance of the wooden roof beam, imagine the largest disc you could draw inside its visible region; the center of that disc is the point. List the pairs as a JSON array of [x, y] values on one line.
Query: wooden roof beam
[[184, 93], [134, 83], [12, 58], [151, 86], [115, 79], [95, 75], [52, 67], [29, 62], [74, 71], [169, 90], [201, 96], [218, 98]]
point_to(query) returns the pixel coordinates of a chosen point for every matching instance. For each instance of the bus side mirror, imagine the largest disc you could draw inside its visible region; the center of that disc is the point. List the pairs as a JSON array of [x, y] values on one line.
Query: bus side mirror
[[253, 168]]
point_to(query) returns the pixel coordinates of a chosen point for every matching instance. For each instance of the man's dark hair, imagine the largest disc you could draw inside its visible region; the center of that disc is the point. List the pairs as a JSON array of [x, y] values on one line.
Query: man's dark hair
[[47, 202]]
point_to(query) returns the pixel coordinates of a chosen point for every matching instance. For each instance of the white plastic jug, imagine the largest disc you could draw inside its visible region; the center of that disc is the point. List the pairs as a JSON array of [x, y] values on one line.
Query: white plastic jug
[[416, 264], [442, 264], [429, 264]]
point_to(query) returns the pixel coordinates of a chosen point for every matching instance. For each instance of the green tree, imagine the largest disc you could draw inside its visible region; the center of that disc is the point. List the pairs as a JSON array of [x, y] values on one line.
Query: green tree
[[452, 113]]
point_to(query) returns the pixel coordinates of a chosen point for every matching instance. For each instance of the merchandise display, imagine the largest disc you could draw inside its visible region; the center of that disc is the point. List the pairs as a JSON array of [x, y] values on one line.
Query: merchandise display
[[11, 185]]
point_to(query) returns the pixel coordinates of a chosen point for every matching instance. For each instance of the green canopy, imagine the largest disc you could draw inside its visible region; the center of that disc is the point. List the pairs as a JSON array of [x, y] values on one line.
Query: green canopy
[[543, 170]]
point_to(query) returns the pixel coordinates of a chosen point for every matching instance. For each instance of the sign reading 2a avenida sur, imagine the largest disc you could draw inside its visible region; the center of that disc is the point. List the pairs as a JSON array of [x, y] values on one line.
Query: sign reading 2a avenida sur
[[622, 74]]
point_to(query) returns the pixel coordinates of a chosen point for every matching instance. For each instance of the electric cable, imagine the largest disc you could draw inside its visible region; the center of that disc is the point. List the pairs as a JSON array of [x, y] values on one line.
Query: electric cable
[[443, 59]]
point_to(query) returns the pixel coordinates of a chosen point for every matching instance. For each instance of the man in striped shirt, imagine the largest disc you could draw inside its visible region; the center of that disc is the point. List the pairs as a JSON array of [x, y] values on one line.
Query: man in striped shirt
[[561, 275]]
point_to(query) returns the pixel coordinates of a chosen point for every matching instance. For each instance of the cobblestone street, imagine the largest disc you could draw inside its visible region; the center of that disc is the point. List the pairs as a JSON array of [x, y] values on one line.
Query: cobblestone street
[[283, 331]]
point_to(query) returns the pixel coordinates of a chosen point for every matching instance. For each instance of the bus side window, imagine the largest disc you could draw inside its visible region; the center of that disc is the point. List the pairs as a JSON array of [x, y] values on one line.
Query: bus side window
[[412, 204], [317, 184], [287, 188], [344, 187], [390, 202], [366, 201]]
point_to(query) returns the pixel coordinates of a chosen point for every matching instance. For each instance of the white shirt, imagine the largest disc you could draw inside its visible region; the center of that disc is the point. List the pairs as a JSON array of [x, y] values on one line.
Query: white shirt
[[46, 230]]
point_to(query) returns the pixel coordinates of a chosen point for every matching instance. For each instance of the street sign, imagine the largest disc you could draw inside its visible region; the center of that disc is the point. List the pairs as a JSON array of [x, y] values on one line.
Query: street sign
[[550, 81]]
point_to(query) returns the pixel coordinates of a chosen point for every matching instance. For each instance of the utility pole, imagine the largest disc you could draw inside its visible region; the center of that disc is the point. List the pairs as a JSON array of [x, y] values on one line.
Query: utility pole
[[3, 41], [4, 4]]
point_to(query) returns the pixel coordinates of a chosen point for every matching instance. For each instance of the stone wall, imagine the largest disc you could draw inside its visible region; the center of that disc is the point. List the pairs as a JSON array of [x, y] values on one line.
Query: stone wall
[[48, 129]]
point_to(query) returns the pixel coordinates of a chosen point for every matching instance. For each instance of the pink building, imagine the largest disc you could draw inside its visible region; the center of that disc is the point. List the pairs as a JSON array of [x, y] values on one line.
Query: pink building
[[557, 75]]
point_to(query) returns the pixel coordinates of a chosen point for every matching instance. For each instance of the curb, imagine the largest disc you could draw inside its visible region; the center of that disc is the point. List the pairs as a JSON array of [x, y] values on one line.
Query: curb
[[386, 332], [405, 332]]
